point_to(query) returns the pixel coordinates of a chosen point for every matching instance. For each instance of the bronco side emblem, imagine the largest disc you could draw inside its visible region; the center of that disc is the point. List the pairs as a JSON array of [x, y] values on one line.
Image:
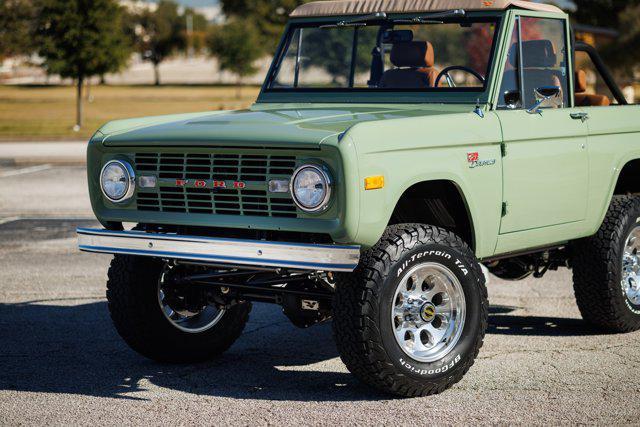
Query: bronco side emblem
[[475, 162]]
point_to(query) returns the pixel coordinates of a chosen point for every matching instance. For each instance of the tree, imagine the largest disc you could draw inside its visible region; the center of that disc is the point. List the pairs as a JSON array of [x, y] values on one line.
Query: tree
[[270, 17], [17, 27], [622, 15], [76, 40], [331, 50], [159, 34], [237, 47], [620, 53], [603, 13]]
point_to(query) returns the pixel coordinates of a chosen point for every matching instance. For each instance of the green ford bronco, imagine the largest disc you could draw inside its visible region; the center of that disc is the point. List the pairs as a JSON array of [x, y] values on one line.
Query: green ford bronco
[[399, 152]]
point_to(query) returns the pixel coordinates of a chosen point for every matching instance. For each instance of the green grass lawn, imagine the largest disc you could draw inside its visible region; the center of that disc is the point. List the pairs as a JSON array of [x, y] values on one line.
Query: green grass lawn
[[48, 113]]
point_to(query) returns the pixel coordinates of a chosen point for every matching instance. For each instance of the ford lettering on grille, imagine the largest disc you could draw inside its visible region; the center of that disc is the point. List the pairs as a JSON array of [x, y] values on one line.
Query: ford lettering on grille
[[205, 183], [225, 184]]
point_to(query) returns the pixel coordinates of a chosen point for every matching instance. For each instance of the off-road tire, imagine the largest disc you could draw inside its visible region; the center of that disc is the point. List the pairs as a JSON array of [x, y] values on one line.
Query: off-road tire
[[132, 294], [597, 269], [361, 306]]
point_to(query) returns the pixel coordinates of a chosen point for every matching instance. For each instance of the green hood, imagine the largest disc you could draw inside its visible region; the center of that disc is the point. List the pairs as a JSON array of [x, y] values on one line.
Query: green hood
[[262, 124]]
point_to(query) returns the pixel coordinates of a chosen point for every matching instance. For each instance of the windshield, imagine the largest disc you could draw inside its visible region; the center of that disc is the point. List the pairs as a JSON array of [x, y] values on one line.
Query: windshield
[[406, 54]]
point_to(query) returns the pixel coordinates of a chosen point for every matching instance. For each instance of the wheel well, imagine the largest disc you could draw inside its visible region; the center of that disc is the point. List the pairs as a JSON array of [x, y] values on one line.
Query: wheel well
[[629, 179], [438, 203]]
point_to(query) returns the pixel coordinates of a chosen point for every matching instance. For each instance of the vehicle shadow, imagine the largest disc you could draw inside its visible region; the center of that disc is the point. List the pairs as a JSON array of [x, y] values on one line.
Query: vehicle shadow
[[54, 347], [503, 322], [75, 349]]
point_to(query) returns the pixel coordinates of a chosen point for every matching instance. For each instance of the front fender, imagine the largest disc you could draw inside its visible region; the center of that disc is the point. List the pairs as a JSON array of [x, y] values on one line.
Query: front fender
[[405, 155]]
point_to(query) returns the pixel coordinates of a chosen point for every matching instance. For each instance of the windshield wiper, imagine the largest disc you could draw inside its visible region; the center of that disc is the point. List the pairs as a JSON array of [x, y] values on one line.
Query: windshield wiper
[[433, 18], [358, 22]]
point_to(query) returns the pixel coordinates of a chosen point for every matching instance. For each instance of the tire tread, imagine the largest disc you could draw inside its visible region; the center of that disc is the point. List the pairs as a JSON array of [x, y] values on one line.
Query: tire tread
[[143, 327], [355, 307], [596, 261]]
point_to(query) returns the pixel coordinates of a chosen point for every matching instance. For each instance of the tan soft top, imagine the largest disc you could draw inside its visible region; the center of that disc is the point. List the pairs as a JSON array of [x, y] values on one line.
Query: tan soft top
[[361, 7]]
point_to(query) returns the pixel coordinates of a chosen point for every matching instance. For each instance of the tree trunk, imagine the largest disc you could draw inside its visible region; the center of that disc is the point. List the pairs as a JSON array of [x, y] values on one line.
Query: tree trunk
[[239, 88], [79, 103], [156, 71]]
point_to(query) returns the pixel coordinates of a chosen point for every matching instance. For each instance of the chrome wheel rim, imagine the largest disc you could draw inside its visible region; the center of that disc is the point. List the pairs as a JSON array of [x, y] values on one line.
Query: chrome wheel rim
[[428, 312], [188, 321], [631, 267]]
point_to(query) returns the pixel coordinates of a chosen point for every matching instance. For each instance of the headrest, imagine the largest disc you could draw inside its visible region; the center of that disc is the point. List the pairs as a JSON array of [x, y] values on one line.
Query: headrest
[[412, 54], [537, 53], [581, 81]]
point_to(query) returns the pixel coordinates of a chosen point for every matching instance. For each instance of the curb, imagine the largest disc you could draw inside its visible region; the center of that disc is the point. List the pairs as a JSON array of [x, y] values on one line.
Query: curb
[[71, 153], [32, 161]]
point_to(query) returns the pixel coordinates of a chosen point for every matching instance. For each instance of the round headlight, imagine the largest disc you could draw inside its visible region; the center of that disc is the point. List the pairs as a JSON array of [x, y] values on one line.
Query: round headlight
[[117, 181], [311, 188]]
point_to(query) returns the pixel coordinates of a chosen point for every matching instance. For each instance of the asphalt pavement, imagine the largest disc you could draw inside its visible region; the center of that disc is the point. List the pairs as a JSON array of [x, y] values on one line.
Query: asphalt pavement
[[61, 361]]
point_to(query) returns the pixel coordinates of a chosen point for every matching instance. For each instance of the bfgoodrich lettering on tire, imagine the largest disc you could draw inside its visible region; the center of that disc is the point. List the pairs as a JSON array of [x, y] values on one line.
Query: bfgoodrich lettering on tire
[[412, 318], [606, 269]]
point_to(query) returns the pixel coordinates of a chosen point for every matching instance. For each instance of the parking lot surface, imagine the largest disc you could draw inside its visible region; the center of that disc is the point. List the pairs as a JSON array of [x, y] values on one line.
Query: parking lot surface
[[61, 361]]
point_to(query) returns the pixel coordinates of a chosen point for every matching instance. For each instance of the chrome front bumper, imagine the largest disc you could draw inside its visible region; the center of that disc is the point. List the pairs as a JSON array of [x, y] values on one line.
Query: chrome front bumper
[[298, 256]]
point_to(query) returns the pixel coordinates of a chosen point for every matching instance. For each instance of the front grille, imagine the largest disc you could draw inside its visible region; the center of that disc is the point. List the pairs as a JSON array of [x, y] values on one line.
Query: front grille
[[241, 167], [254, 171]]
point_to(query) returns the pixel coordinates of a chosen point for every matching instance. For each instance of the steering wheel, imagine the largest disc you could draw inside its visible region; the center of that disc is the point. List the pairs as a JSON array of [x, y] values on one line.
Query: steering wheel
[[446, 71]]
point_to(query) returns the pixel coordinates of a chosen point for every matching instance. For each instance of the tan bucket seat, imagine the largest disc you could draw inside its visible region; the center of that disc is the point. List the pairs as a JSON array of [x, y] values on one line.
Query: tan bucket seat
[[414, 62], [584, 99]]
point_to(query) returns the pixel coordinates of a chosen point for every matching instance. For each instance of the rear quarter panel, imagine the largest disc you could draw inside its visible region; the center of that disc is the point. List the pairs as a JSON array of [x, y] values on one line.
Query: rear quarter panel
[[614, 140]]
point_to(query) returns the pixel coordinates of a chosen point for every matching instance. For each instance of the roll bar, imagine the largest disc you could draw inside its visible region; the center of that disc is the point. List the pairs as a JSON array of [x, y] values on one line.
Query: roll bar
[[603, 70]]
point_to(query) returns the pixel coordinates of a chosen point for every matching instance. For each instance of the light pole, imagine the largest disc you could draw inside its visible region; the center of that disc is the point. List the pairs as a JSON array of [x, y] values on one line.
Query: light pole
[[190, 52]]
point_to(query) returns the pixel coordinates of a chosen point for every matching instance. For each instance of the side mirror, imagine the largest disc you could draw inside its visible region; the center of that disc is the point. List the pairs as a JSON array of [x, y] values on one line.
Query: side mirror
[[547, 97], [512, 99]]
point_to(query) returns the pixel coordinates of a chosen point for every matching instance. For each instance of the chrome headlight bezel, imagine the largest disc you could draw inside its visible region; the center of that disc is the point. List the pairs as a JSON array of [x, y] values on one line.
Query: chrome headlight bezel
[[324, 176], [130, 176]]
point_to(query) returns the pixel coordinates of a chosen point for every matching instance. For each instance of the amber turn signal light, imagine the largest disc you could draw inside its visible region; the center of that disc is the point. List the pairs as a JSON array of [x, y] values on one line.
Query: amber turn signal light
[[374, 182]]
